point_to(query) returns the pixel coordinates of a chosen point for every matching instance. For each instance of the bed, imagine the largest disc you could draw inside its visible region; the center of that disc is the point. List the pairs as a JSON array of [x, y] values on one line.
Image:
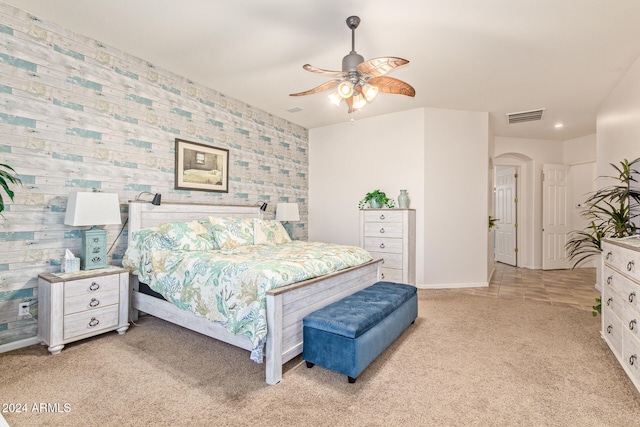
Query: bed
[[285, 306]]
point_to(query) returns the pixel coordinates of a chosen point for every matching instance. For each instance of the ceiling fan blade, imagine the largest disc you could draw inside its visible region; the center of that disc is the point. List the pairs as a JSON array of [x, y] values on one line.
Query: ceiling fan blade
[[390, 85], [313, 69], [379, 66], [324, 86], [350, 104]]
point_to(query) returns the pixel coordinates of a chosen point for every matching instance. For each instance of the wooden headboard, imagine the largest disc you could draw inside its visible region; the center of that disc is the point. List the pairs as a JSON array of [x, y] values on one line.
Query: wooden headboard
[[143, 214]]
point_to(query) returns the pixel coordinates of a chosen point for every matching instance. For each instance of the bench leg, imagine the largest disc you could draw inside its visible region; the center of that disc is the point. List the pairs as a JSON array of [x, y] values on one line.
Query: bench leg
[[310, 365], [351, 380]]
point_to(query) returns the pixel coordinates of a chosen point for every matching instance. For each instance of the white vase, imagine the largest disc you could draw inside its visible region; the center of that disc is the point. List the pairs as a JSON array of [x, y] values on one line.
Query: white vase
[[403, 200]]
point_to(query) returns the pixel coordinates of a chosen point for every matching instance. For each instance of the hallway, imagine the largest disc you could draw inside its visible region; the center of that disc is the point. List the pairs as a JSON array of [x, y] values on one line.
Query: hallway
[[563, 288]]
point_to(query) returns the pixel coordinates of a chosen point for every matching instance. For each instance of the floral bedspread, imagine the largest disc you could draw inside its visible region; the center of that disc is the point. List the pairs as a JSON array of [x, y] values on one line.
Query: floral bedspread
[[229, 285]]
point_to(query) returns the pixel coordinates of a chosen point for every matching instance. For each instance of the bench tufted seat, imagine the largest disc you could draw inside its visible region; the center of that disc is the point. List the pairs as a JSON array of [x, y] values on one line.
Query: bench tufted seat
[[347, 335]]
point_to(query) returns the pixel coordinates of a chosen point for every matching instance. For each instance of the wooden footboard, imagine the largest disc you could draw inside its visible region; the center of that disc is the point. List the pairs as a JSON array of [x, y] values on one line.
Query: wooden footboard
[[286, 306]]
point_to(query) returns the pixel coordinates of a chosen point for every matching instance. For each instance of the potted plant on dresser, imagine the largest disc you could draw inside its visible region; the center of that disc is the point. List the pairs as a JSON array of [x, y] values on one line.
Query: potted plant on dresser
[[376, 199]]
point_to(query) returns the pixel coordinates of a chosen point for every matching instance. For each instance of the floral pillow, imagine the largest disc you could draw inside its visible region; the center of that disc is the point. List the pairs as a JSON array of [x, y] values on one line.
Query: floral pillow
[[269, 232], [187, 236], [231, 232]]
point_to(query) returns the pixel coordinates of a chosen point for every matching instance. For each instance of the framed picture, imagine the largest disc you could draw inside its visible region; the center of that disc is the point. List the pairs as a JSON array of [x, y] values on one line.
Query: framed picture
[[201, 167]]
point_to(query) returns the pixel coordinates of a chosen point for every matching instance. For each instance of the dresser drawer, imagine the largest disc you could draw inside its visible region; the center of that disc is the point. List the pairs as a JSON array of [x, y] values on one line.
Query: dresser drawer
[[626, 261], [88, 322], [383, 244], [388, 260], [382, 216], [613, 302], [631, 356], [612, 331], [91, 302], [91, 285], [631, 319], [391, 275], [383, 229]]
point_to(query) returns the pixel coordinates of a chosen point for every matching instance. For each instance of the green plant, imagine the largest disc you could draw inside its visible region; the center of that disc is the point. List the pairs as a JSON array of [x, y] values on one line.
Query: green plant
[[493, 222], [610, 211], [597, 308], [378, 196], [7, 176]]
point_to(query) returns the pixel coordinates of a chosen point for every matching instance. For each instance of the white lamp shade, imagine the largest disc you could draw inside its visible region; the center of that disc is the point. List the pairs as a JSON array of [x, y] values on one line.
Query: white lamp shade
[[287, 212], [92, 209]]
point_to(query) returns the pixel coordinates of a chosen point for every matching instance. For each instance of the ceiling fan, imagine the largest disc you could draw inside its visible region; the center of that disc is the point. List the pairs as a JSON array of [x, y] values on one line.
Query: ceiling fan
[[360, 81]]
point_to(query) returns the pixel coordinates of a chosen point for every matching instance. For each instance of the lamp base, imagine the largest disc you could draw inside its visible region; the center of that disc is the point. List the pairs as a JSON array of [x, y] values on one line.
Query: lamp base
[[288, 227], [94, 248]]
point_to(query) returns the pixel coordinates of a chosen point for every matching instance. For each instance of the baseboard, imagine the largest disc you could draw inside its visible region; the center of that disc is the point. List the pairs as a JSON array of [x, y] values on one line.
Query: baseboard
[[453, 285], [19, 344]]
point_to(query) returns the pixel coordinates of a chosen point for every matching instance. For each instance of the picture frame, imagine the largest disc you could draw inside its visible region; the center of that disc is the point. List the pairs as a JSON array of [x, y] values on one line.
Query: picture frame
[[201, 167]]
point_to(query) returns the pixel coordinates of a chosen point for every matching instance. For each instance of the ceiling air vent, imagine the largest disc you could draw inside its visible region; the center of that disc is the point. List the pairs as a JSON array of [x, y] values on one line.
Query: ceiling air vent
[[525, 116]]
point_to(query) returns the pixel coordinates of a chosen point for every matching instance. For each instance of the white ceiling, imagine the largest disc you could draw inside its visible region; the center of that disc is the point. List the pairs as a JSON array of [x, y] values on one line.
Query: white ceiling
[[499, 56]]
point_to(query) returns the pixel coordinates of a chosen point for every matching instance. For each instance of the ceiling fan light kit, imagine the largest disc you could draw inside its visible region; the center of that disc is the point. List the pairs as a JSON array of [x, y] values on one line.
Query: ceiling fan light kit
[[360, 81]]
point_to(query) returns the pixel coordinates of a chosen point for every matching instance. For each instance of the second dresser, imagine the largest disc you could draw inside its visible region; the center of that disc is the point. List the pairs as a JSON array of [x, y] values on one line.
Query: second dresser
[[390, 234]]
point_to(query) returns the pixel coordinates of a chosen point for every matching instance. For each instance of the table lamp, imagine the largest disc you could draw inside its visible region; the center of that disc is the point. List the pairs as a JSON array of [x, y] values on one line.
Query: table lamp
[[286, 212], [93, 209]]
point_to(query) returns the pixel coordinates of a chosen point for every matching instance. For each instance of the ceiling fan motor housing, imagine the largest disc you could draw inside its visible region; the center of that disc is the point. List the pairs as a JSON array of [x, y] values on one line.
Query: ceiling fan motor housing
[[350, 62]]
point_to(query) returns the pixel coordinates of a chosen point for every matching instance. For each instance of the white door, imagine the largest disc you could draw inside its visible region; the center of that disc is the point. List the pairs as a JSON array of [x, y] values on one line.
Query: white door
[[556, 216], [506, 203]]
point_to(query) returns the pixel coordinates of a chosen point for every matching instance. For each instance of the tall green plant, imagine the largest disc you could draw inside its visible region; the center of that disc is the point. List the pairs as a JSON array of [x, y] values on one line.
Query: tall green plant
[[610, 210], [7, 176]]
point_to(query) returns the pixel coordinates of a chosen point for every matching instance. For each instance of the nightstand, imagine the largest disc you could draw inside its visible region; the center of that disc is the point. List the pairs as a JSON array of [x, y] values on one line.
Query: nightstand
[[74, 306]]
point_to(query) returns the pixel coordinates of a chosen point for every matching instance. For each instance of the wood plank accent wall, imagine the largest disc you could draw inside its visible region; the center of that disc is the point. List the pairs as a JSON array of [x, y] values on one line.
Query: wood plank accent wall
[[77, 115]]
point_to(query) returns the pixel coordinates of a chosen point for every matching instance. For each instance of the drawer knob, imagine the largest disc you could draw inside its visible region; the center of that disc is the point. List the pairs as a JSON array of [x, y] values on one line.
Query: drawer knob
[[382, 275], [609, 329], [382, 246], [609, 301], [630, 265], [609, 254], [94, 286], [383, 260], [632, 359], [93, 322], [632, 296], [632, 325], [94, 302], [382, 216], [609, 280], [382, 230]]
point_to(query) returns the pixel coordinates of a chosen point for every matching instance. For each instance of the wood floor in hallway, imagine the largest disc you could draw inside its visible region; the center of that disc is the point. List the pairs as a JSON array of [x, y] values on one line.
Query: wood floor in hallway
[[566, 288]]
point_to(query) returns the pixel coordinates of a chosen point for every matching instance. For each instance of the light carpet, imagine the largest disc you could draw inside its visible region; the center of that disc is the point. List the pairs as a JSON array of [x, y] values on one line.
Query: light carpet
[[467, 360]]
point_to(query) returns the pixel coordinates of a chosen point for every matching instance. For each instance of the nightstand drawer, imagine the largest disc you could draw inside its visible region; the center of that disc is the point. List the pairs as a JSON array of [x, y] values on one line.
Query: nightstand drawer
[[91, 285], [382, 215], [382, 229], [88, 322], [380, 244], [91, 302]]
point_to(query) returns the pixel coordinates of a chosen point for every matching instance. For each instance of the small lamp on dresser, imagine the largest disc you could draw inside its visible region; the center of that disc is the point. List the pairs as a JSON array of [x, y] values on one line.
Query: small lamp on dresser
[[93, 209], [286, 212]]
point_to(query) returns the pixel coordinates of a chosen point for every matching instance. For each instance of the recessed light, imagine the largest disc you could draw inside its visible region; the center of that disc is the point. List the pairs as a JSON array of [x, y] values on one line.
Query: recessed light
[[558, 125]]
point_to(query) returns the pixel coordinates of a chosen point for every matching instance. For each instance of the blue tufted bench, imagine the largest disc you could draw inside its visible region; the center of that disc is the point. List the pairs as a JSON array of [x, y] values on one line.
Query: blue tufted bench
[[347, 335]]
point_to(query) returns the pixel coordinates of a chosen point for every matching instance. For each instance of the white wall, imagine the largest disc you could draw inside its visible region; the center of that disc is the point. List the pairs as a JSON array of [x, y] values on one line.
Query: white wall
[[618, 123], [348, 160], [432, 153], [456, 210]]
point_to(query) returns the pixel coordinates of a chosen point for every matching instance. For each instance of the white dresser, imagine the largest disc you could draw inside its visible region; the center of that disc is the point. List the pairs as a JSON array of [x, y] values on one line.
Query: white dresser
[[73, 306], [621, 302], [390, 234]]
